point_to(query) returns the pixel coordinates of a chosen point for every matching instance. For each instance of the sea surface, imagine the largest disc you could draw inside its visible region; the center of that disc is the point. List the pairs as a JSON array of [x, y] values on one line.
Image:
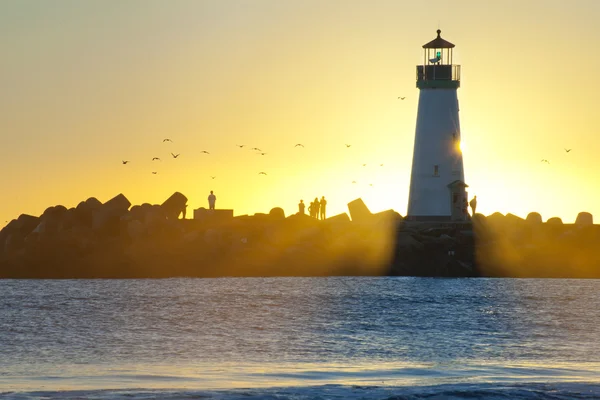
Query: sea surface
[[300, 338]]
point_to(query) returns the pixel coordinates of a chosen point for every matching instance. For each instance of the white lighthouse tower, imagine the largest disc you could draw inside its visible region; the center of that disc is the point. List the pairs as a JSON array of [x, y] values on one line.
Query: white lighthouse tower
[[437, 187]]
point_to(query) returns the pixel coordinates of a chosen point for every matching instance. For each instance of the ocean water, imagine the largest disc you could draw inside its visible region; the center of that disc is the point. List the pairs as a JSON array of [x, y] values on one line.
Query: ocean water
[[300, 338]]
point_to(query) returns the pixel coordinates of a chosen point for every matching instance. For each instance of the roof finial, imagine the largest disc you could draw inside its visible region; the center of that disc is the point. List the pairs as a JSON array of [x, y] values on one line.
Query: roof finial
[[438, 32]]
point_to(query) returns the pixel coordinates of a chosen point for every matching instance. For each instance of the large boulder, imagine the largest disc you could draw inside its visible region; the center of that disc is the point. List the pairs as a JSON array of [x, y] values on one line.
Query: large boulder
[[175, 205], [584, 218], [554, 221], [406, 242], [119, 202], [83, 214], [50, 219], [26, 223], [359, 212], [106, 218], [277, 213], [337, 223], [93, 203], [534, 218]]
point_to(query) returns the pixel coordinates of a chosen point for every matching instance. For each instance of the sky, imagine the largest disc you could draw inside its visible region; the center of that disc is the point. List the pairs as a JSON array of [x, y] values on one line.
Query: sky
[[87, 84]]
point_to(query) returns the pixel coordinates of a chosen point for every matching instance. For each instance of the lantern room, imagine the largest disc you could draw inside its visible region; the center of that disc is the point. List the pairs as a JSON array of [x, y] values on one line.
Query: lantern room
[[437, 70]]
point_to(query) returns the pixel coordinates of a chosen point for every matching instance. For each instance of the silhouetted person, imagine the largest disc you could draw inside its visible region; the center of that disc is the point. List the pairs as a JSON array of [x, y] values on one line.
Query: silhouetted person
[[465, 208], [473, 205], [316, 206], [301, 207], [322, 206], [211, 200], [311, 210], [184, 211]]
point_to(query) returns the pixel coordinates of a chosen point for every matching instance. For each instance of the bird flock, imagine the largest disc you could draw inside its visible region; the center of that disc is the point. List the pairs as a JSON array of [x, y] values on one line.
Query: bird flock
[[166, 140], [257, 150]]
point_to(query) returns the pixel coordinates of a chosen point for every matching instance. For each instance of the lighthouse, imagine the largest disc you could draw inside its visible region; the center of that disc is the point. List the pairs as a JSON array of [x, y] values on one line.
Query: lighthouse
[[437, 187]]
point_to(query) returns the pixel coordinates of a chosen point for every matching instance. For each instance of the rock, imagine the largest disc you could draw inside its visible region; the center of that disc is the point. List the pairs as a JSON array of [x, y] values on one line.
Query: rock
[[93, 203], [26, 223], [119, 202], [359, 212], [154, 217], [83, 214], [49, 220], [107, 221], [407, 242], [68, 220], [175, 205], [554, 221], [534, 218], [137, 213], [14, 242], [106, 218], [511, 218], [337, 223], [135, 229], [584, 218], [277, 213]]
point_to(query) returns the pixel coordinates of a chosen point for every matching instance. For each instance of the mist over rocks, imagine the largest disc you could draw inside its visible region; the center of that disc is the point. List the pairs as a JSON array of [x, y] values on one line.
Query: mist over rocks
[[116, 239]]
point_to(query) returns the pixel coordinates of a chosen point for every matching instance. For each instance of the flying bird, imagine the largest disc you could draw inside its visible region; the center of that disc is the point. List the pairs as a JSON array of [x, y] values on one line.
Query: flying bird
[[155, 158], [348, 145], [256, 148], [401, 98], [240, 145], [263, 154], [167, 140], [546, 161], [568, 150], [125, 162], [175, 155], [262, 173], [299, 145], [370, 184], [381, 165], [364, 165], [205, 152], [154, 172], [353, 181], [212, 177]]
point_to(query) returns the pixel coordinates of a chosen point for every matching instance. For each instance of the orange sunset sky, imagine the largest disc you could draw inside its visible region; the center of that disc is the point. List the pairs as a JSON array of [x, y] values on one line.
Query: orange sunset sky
[[87, 84]]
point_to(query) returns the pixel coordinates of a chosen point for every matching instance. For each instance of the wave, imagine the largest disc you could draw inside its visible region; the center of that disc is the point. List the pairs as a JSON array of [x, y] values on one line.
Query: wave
[[537, 391]]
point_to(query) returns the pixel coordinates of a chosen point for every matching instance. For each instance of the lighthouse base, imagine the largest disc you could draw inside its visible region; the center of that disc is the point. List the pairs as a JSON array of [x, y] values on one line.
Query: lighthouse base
[[429, 218]]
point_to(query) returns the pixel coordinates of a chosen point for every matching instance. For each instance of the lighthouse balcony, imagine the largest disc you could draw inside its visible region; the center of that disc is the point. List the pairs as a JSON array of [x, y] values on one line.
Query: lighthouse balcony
[[438, 76]]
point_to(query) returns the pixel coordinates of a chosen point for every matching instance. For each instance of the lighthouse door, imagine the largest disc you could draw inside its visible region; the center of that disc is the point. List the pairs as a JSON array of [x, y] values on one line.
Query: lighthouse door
[[458, 201]]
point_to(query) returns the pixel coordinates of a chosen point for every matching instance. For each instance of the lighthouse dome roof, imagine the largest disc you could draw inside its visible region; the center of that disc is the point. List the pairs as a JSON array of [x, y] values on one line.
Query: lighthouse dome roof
[[438, 43]]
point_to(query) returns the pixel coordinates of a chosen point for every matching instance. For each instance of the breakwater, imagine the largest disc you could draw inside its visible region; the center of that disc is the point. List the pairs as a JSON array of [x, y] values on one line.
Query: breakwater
[[115, 240]]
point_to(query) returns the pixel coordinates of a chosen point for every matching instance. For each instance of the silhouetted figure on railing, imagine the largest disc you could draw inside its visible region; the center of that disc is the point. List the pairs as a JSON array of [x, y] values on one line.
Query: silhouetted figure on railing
[[301, 207], [322, 206], [473, 205], [212, 199]]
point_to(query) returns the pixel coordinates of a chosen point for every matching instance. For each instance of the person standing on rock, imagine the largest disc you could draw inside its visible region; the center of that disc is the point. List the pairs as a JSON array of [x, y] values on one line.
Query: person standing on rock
[[316, 207], [212, 199], [301, 206], [322, 207], [473, 205]]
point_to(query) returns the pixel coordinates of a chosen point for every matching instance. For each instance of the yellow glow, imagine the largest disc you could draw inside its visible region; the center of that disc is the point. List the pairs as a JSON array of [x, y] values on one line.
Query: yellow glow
[[462, 146], [210, 76]]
